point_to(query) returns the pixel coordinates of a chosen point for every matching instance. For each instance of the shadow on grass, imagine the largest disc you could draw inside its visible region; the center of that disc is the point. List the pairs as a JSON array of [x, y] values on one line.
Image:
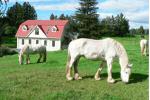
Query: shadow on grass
[[35, 63], [134, 78]]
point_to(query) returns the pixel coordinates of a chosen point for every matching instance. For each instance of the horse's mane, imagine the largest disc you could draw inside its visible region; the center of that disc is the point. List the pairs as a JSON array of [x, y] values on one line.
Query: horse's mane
[[121, 52], [119, 47]]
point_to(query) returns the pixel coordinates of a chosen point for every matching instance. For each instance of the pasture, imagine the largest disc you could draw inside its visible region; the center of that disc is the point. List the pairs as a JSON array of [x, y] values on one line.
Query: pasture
[[47, 81]]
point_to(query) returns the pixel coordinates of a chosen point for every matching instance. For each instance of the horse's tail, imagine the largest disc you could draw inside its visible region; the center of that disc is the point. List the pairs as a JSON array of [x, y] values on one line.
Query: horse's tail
[[68, 61]]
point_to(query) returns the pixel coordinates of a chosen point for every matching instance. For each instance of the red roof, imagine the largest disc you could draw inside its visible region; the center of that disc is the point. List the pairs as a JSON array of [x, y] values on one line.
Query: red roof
[[43, 25]]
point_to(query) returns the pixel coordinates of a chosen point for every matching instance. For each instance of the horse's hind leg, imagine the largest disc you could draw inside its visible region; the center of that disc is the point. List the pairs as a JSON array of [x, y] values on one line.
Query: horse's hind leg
[[70, 62], [27, 59], [44, 57], [145, 50], [97, 75], [68, 76], [76, 74], [40, 56], [142, 50]]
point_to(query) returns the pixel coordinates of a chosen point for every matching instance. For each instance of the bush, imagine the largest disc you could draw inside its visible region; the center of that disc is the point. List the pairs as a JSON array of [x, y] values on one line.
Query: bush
[[7, 51]]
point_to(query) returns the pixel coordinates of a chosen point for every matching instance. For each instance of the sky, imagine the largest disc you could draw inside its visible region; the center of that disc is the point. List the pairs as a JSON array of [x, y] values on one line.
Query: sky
[[136, 11]]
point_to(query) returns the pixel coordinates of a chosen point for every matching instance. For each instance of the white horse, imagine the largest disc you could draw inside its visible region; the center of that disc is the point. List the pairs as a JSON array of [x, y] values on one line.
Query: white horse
[[144, 46], [105, 50], [28, 49]]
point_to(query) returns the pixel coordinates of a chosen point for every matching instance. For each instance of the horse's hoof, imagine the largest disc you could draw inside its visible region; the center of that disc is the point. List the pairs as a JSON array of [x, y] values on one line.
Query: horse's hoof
[[111, 81], [78, 78], [69, 78], [98, 78]]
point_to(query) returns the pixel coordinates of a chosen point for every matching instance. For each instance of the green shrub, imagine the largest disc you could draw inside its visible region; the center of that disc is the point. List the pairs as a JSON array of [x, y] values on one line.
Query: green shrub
[[7, 51]]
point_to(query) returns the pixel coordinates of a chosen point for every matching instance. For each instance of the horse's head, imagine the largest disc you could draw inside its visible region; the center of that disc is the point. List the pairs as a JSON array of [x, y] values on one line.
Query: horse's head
[[125, 73]]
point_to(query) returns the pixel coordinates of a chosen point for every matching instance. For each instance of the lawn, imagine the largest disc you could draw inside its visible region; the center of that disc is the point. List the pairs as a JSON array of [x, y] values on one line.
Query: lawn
[[46, 81]]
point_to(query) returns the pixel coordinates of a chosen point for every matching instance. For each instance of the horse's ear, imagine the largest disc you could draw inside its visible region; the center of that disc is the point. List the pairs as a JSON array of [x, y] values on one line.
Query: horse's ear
[[130, 65]]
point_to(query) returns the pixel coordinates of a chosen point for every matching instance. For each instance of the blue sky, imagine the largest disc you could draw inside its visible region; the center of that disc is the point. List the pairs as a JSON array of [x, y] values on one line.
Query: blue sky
[[136, 11]]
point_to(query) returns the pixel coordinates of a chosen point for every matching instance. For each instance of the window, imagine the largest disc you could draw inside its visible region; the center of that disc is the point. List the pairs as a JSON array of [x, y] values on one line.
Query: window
[[22, 41], [24, 28], [54, 29], [53, 43], [36, 31], [45, 42], [29, 41], [37, 41]]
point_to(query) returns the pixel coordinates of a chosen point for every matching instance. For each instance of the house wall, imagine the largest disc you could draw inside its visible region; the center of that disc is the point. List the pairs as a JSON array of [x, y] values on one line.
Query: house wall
[[49, 46]]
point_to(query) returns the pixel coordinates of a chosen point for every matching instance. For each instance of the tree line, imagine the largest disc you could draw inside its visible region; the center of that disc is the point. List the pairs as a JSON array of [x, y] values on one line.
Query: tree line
[[15, 15], [85, 23]]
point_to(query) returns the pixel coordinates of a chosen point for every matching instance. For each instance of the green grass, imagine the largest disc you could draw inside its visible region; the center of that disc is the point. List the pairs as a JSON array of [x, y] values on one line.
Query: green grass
[[46, 81]]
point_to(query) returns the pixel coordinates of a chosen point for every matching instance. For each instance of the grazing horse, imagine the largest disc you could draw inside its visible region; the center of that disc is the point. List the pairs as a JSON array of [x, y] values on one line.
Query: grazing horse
[[144, 46], [28, 49], [105, 50]]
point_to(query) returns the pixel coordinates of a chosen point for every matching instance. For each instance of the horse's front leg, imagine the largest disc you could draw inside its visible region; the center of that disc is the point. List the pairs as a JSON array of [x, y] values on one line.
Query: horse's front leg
[[76, 74], [109, 69], [97, 75]]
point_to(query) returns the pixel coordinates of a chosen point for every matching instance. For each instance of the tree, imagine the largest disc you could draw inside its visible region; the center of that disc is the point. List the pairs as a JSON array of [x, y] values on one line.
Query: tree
[[3, 6], [3, 22], [10, 30], [62, 17], [132, 32], [141, 31], [52, 17], [108, 26], [114, 26], [29, 11], [87, 19], [15, 14], [122, 25], [71, 31]]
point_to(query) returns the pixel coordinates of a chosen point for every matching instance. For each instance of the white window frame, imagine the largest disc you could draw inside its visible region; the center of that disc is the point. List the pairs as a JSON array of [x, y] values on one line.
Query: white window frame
[[24, 28], [54, 29]]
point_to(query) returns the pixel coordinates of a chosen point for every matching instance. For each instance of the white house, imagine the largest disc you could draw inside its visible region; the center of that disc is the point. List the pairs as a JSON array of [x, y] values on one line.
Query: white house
[[44, 32]]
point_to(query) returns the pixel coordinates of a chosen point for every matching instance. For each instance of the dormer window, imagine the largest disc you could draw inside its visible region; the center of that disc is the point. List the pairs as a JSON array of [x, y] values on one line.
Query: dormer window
[[24, 28], [37, 31], [54, 29]]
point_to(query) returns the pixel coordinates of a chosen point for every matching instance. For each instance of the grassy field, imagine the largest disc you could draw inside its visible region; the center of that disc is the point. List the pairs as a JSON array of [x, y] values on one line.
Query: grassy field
[[46, 81]]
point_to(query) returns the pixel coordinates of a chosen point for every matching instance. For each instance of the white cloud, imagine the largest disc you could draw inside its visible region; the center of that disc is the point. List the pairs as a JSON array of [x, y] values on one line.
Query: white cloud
[[123, 5], [60, 7], [104, 15], [136, 11], [137, 25], [140, 17]]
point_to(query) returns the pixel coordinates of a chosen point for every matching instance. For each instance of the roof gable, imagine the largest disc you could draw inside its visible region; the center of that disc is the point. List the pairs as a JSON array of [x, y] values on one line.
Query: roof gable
[[32, 33]]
